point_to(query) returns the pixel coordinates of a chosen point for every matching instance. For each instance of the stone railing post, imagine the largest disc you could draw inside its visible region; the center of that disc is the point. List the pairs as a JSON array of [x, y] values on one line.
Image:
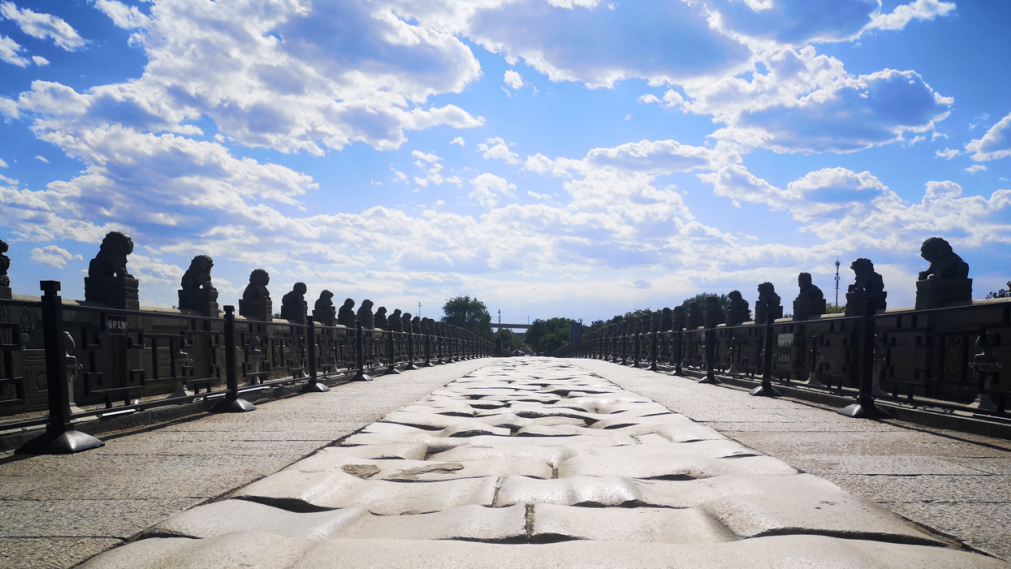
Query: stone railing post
[[865, 408], [360, 374], [232, 403], [410, 351], [310, 339], [61, 437], [766, 389], [391, 352]]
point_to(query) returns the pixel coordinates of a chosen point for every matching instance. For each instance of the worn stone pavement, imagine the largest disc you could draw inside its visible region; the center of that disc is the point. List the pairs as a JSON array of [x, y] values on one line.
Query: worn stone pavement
[[533, 462], [57, 511], [958, 484]]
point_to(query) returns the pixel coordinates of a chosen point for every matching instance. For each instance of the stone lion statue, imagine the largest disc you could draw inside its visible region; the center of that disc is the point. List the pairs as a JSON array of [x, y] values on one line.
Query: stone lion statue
[[379, 319], [257, 287], [346, 315], [198, 276], [324, 310], [944, 263], [808, 290], [5, 264], [365, 317], [396, 321], [866, 279], [111, 258], [767, 294]]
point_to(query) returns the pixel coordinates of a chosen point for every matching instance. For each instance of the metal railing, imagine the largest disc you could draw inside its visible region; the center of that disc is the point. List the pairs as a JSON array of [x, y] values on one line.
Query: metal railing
[[88, 360], [952, 359]]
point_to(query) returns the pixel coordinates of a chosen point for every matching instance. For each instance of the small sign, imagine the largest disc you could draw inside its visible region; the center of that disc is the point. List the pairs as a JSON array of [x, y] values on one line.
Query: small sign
[[115, 325], [784, 350]]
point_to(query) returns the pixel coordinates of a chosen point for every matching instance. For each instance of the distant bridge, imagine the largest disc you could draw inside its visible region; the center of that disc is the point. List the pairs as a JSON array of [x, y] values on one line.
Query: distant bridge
[[498, 327]]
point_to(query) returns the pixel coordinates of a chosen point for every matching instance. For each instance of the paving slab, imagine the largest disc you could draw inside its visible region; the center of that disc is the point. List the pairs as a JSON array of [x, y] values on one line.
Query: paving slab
[[535, 462], [57, 511], [955, 483]]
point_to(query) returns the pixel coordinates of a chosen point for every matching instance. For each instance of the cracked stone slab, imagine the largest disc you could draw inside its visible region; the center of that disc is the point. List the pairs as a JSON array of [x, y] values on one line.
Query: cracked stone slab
[[648, 525], [471, 523], [232, 516], [552, 455], [335, 459], [809, 552], [242, 549], [748, 505], [308, 491], [671, 465]]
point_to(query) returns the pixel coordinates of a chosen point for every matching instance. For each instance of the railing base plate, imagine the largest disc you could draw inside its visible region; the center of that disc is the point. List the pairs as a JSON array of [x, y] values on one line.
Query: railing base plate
[[237, 405], [766, 391], [64, 443], [858, 411], [314, 387]]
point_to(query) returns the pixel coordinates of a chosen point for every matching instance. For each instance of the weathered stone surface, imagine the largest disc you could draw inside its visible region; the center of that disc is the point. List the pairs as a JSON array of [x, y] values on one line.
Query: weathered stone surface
[[471, 523], [672, 466], [495, 468], [243, 549], [648, 525], [231, 516], [308, 491], [811, 552], [335, 459]]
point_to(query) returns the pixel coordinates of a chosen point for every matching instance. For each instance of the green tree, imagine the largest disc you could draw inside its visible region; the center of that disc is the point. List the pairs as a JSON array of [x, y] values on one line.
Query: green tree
[[833, 309], [511, 339], [701, 299], [468, 313], [548, 335], [1002, 293]]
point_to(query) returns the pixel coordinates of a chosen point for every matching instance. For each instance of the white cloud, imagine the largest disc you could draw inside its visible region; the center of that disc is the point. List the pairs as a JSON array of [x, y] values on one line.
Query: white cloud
[[497, 149], [39, 60], [126, 17], [947, 153], [9, 108], [10, 181], [917, 10], [850, 211], [2, 163], [289, 77], [9, 52], [648, 98], [788, 119], [976, 168], [489, 189], [597, 47], [628, 116], [43, 26], [42, 159], [431, 158], [399, 176], [996, 143], [513, 79], [458, 140], [672, 99], [54, 256]]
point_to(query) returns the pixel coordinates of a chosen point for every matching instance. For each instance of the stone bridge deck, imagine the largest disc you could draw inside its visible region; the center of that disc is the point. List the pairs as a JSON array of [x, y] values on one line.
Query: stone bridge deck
[[543, 463]]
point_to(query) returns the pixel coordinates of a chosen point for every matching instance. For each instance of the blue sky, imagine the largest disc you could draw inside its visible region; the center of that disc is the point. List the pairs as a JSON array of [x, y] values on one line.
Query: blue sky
[[573, 158]]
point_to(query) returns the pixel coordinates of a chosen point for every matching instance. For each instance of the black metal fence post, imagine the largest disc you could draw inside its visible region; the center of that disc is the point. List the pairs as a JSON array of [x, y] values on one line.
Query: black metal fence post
[[710, 335], [232, 402], [410, 351], [360, 374], [766, 389], [654, 347], [679, 351], [391, 352], [865, 408], [310, 338], [61, 437]]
